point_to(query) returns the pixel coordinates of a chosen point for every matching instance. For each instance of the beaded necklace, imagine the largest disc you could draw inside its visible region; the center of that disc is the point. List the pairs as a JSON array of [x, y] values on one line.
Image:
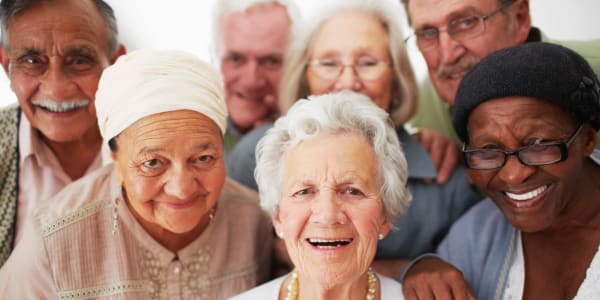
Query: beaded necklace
[[292, 287]]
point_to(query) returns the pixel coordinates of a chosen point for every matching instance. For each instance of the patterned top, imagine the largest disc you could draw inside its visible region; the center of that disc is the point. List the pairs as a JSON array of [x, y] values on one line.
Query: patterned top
[[9, 166], [70, 252]]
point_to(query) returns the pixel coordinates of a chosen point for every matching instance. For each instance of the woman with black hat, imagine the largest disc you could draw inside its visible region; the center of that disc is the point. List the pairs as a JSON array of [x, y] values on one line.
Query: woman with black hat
[[528, 117]]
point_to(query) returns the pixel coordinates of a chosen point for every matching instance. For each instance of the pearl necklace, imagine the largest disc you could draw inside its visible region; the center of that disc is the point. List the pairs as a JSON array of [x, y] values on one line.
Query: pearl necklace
[[292, 287]]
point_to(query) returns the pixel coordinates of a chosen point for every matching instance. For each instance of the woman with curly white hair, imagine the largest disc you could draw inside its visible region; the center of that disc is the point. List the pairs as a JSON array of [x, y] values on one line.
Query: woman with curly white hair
[[333, 177]]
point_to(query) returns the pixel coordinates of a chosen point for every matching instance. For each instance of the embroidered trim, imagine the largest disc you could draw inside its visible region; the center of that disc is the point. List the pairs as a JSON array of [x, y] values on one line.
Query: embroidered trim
[[9, 177], [107, 290], [75, 216]]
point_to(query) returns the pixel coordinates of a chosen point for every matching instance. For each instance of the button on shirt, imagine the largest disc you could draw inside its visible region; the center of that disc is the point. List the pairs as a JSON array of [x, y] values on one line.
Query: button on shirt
[[40, 174]]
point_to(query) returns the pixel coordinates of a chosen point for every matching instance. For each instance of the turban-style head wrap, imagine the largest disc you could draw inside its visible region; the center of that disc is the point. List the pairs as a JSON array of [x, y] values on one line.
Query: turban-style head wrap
[[147, 82]]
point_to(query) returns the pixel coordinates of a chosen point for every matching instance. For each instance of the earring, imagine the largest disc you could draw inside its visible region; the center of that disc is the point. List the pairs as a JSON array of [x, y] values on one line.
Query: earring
[[115, 215], [381, 236], [211, 216], [280, 234]]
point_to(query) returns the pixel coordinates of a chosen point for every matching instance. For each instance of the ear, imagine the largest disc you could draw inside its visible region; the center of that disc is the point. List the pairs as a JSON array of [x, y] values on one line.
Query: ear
[[4, 60], [385, 227], [590, 137], [120, 51], [277, 224], [522, 20]]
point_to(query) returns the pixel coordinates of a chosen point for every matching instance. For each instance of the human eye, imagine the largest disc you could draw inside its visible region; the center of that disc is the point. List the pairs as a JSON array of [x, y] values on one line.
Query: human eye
[[235, 59], [303, 192], [463, 24], [151, 164], [271, 62], [205, 159], [367, 62], [352, 191], [31, 63], [80, 62], [329, 63], [427, 34]]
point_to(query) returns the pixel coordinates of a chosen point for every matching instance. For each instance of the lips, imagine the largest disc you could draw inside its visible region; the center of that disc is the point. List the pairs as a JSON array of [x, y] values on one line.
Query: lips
[[60, 106], [329, 243], [527, 195]]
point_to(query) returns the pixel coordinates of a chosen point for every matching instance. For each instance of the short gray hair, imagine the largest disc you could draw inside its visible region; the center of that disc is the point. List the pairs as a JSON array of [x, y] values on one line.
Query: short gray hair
[[294, 85], [405, 4], [223, 8], [9, 9], [330, 113]]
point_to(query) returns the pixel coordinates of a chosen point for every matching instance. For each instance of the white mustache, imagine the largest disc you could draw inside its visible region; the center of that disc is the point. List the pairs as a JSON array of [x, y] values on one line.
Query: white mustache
[[61, 106]]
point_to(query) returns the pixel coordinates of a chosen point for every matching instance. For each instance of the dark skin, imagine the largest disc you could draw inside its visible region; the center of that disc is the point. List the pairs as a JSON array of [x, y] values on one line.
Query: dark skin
[[560, 227]]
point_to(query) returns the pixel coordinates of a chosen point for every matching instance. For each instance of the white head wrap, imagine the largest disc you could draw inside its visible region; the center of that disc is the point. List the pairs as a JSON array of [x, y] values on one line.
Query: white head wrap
[[147, 82]]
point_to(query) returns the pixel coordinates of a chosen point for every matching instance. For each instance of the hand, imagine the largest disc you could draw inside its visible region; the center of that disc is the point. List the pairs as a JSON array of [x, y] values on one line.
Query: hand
[[433, 278], [443, 152]]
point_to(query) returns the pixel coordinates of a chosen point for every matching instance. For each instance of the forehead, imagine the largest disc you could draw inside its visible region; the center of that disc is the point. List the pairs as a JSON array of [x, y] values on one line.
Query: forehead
[[263, 28], [439, 12], [163, 129], [58, 22], [519, 113], [350, 31], [336, 154]]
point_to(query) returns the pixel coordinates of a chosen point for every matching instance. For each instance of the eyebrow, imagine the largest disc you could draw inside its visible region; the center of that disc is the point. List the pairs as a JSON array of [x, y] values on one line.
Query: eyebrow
[[151, 150]]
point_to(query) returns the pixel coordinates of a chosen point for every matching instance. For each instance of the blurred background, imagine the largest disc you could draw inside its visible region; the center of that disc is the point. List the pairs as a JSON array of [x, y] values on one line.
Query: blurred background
[[186, 25]]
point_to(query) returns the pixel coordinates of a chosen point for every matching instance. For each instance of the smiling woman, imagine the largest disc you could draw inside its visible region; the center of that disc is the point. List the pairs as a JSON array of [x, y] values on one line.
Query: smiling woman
[[333, 176], [162, 221]]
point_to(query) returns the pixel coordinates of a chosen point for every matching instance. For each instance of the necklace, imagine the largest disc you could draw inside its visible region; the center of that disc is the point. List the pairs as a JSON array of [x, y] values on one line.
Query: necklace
[[292, 287]]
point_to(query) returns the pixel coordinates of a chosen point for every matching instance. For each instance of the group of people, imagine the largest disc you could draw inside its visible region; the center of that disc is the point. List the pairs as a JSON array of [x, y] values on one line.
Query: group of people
[[149, 175]]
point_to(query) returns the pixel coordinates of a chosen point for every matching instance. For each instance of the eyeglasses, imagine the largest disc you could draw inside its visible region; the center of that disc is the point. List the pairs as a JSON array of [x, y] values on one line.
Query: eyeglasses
[[460, 29], [539, 154], [367, 68]]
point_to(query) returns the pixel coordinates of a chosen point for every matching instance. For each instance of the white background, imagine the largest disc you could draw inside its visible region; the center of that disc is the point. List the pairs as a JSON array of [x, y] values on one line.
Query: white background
[[186, 25]]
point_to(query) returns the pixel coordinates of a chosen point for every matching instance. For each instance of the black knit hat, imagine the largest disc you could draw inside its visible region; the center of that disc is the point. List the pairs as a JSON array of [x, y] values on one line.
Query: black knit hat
[[538, 70]]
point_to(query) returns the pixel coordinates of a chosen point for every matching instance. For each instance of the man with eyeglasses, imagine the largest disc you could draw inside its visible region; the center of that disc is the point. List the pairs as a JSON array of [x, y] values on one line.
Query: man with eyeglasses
[[453, 36], [529, 131]]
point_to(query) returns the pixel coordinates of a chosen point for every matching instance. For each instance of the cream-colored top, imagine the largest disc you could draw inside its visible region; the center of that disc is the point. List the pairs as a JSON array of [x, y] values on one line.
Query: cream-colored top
[[68, 251], [40, 174]]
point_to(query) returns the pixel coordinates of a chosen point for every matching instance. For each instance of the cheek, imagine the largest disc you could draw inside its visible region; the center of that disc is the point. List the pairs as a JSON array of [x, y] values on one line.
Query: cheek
[[316, 85], [293, 219], [141, 190], [88, 85]]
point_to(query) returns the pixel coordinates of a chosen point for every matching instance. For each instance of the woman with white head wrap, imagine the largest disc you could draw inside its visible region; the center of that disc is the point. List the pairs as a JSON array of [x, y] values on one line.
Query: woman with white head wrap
[[147, 226]]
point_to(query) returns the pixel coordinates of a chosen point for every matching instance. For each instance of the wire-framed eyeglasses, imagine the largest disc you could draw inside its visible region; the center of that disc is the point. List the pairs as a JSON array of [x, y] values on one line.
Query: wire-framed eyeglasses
[[460, 29], [367, 68], [539, 154]]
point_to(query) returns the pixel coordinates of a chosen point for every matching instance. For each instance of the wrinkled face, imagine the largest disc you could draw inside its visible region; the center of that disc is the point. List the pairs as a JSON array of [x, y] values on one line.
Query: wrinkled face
[[251, 57], [531, 197], [331, 211], [57, 51], [171, 168], [353, 38], [450, 60]]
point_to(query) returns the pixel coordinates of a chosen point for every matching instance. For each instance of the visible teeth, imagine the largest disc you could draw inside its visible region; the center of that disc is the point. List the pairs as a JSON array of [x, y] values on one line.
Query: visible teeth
[[328, 244], [61, 106], [528, 195]]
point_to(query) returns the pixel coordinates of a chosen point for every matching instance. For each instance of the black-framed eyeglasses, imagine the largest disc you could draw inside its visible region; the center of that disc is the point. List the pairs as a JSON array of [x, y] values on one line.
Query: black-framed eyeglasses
[[539, 154], [460, 29], [367, 68]]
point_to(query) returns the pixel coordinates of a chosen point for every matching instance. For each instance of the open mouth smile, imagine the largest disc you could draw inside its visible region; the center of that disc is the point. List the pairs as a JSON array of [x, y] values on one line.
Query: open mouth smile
[[329, 243], [60, 107]]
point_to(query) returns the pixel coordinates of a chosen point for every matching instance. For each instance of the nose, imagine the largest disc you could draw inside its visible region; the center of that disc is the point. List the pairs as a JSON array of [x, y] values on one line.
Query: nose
[[181, 183], [514, 172], [327, 210], [450, 49], [251, 76], [56, 84], [348, 80]]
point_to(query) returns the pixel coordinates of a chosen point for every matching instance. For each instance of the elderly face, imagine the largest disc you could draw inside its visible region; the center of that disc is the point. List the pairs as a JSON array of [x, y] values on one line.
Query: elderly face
[[57, 51], [532, 198], [171, 168], [252, 47], [352, 39], [331, 211], [450, 60]]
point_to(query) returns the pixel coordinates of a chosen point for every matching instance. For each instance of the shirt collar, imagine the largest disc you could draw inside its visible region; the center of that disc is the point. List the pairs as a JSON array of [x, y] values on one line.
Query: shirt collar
[[595, 156], [420, 165]]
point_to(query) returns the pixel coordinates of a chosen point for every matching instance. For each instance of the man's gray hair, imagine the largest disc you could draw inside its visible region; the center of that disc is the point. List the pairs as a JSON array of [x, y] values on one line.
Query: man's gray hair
[[11, 8], [294, 85], [334, 113], [405, 4], [223, 8]]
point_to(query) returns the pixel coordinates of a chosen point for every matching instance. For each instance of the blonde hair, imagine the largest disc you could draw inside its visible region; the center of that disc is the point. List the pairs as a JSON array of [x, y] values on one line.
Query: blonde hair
[[294, 86]]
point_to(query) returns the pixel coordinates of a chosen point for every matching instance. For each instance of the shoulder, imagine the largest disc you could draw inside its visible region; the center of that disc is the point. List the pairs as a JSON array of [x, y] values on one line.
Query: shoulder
[[390, 288], [76, 201], [269, 290]]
